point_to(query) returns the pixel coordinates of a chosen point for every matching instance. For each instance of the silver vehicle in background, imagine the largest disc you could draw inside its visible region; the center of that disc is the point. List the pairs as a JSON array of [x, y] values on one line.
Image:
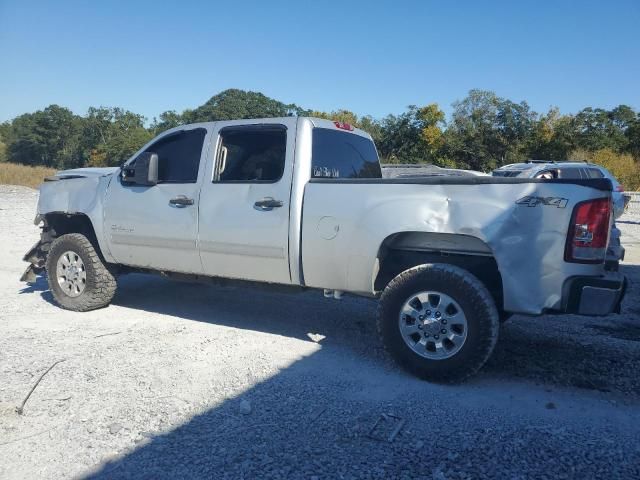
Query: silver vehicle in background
[[569, 170]]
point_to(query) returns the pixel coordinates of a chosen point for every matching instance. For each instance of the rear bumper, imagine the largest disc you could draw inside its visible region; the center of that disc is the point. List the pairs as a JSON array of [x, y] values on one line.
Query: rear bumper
[[595, 295], [615, 250]]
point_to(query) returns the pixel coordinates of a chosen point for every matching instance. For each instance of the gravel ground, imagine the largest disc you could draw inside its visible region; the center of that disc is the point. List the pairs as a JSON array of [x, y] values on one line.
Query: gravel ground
[[180, 380]]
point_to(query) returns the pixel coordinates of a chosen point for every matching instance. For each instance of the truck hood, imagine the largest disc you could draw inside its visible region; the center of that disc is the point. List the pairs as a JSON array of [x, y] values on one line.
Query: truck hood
[[80, 190], [82, 173]]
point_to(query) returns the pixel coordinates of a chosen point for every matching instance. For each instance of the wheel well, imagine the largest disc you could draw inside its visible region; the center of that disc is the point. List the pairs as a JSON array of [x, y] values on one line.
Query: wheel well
[[397, 254], [58, 224]]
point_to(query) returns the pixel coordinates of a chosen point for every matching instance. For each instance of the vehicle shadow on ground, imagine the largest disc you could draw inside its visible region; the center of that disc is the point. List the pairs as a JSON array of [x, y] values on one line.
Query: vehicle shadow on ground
[[561, 351], [564, 351], [307, 421], [40, 285]]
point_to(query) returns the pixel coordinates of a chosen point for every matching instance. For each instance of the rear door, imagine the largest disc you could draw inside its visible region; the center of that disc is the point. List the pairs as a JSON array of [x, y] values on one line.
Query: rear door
[[156, 226], [245, 199]]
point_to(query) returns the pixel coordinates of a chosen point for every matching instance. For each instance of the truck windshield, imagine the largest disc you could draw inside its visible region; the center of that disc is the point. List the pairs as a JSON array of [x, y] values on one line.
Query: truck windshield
[[343, 155]]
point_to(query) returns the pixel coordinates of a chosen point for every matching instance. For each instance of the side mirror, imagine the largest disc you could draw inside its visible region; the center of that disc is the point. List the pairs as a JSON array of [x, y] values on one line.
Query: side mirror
[[144, 170]]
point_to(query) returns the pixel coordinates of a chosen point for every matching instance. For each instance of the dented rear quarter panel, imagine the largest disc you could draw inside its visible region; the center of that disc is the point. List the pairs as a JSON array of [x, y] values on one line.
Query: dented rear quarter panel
[[527, 242]]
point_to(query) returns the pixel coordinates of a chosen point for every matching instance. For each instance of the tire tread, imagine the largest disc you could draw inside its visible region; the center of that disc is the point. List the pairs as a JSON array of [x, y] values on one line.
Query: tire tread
[[485, 306], [102, 286]]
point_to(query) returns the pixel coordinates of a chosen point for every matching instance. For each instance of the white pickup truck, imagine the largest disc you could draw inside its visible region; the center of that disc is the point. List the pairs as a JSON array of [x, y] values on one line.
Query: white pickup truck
[[301, 202]]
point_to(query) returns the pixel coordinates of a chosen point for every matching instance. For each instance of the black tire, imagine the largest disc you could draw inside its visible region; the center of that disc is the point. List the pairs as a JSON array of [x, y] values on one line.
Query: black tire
[[100, 285], [473, 298]]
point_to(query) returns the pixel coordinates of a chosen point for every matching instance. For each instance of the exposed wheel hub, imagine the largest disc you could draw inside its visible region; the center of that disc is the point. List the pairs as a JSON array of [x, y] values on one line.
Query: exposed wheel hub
[[71, 273], [433, 325]]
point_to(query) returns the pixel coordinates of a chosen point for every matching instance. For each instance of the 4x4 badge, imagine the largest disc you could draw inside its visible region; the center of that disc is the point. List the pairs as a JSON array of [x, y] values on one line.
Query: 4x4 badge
[[530, 201]]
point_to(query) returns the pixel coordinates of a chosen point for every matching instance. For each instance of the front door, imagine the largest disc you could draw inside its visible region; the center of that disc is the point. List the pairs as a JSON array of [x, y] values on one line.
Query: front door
[[244, 203], [156, 226]]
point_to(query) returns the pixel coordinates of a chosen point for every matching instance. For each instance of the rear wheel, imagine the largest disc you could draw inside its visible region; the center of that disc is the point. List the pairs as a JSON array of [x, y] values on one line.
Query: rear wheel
[[78, 278], [438, 321]]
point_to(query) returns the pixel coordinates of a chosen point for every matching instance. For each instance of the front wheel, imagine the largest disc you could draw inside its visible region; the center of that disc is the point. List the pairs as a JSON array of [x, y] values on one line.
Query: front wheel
[[438, 321], [78, 278]]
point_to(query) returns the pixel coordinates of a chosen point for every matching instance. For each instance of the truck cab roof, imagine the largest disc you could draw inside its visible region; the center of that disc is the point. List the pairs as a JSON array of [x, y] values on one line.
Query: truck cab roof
[[314, 121]]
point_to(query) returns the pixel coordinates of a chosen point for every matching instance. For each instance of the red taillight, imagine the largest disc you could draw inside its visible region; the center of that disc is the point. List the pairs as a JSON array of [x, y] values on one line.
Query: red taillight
[[589, 232], [343, 126]]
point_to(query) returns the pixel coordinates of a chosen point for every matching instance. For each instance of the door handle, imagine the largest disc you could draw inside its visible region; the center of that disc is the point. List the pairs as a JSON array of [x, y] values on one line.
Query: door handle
[[181, 201], [267, 204]]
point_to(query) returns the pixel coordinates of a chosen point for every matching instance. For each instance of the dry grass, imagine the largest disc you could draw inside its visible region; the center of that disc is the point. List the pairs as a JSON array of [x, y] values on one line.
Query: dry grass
[[15, 174]]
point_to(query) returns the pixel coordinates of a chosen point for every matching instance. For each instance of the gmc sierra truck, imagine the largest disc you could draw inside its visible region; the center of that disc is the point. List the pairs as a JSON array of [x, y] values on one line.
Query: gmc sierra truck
[[301, 202]]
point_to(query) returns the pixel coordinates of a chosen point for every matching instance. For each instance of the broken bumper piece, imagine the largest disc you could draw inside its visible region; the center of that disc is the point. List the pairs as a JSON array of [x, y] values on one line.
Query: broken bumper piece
[[36, 256]]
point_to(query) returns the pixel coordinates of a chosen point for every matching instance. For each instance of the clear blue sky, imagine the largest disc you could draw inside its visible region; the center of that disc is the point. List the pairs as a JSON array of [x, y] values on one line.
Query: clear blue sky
[[367, 56]]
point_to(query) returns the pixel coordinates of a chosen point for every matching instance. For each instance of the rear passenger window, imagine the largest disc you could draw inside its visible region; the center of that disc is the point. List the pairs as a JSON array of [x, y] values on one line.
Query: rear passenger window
[[343, 155], [252, 154], [595, 173], [179, 156], [570, 173]]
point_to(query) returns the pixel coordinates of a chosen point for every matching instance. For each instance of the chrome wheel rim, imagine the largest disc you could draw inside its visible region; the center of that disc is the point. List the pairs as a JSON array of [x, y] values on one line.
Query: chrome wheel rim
[[433, 325], [71, 274]]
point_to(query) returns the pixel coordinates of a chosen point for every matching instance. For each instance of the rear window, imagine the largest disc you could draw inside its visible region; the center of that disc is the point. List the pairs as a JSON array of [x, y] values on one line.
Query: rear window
[[343, 155]]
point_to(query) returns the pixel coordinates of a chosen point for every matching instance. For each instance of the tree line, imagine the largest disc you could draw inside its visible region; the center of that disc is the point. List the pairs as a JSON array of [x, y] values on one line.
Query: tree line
[[483, 132]]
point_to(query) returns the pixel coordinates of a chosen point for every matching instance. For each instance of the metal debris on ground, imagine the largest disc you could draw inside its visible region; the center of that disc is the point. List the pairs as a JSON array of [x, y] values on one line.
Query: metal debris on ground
[[386, 423], [318, 414], [107, 334], [20, 409]]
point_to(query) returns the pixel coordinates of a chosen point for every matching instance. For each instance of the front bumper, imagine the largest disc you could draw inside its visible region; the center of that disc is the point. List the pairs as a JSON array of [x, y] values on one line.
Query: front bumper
[[595, 295]]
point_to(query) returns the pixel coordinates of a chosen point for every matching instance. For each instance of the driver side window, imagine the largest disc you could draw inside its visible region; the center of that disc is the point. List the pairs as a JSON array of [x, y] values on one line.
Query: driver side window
[[179, 156]]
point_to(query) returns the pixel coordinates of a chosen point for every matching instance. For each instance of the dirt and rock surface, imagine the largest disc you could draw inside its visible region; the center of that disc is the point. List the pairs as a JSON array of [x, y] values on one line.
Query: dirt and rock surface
[[179, 380]]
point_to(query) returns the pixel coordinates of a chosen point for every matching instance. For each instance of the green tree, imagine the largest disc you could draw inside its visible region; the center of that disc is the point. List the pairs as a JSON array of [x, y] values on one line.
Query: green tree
[[3, 151], [400, 138], [372, 127], [337, 116], [633, 137], [235, 104], [415, 136], [552, 136], [167, 120], [597, 128], [111, 135], [5, 132], [486, 131], [47, 137], [431, 121]]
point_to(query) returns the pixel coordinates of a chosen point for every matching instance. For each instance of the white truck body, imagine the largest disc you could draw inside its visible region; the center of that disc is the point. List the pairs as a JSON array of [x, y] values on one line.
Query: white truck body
[[336, 233]]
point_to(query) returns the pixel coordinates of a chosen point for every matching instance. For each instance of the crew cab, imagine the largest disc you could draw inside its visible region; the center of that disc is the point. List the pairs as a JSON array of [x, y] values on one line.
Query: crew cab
[[301, 202]]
